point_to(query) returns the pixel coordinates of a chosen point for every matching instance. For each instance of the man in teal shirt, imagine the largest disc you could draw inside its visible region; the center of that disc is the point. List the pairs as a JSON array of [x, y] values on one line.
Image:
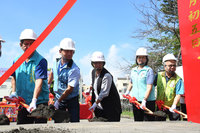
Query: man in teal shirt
[[30, 80]]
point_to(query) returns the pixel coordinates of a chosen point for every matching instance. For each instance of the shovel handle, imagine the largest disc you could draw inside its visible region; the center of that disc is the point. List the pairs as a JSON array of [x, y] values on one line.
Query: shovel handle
[[136, 102], [145, 108], [24, 105], [178, 112]]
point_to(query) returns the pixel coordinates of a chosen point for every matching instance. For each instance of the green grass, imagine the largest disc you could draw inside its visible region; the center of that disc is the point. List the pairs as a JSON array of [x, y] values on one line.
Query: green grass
[[127, 114]]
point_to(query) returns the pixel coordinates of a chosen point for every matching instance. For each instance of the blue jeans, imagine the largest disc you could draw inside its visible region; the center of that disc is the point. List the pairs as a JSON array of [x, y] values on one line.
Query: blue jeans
[[73, 107]]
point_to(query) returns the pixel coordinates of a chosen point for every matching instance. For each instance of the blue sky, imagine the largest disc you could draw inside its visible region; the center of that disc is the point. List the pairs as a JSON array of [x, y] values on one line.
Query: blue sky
[[95, 25]]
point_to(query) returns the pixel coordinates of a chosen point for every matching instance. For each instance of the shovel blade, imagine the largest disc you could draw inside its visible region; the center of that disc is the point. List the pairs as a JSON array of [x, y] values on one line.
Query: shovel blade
[[160, 114], [43, 111]]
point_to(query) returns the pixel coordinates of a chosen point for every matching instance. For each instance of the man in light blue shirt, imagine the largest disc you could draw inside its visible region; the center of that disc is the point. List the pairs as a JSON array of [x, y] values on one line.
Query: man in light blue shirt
[[66, 76]]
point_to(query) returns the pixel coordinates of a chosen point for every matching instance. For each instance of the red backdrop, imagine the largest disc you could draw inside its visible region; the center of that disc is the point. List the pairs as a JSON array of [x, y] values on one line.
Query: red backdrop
[[189, 22]]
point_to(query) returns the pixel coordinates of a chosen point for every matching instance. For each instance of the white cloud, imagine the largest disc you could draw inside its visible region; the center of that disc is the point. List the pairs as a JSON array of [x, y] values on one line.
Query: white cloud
[[85, 68], [112, 54], [126, 46], [86, 77], [85, 60], [114, 62], [10, 50], [52, 55]]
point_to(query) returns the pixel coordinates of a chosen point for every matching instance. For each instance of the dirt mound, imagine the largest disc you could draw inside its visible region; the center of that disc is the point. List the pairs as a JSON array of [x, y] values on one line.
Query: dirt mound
[[4, 120], [43, 111], [36, 130], [99, 119]]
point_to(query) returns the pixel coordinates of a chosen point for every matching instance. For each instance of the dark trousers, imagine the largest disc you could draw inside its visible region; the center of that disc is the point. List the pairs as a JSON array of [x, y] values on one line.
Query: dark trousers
[[172, 116], [139, 114], [22, 117], [183, 109], [72, 105]]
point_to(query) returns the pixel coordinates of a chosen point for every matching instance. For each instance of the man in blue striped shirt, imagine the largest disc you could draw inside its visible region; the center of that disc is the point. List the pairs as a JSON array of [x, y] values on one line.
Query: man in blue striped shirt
[[66, 76]]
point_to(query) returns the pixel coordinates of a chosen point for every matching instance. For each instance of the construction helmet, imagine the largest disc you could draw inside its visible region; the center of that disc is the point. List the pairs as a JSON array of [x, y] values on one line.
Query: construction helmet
[[97, 57], [67, 44], [141, 52], [169, 57], [28, 34], [1, 40]]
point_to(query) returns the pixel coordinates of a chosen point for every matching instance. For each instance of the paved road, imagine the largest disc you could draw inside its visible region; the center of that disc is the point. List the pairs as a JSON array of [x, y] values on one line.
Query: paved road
[[125, 126]]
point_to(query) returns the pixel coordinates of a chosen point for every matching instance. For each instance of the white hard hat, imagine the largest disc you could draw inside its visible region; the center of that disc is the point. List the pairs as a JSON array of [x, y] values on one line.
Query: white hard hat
[[97, 57], [141, 52], [67, 44], [28, 34], [1, 40], [169, 57]]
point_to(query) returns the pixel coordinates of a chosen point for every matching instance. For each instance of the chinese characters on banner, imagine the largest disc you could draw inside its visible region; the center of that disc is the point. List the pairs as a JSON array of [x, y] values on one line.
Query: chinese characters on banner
[[189, 23]]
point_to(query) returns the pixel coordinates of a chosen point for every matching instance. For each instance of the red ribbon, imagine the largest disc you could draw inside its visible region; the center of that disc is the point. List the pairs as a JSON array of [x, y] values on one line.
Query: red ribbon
[[160, 104], [132, 100]]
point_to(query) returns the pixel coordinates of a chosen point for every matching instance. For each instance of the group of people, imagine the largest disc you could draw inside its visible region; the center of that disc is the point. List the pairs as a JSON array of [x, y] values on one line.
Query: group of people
[[30, 81], [143, 82]]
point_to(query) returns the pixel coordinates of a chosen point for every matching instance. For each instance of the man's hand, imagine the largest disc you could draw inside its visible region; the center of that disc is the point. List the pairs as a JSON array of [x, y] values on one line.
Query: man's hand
[[56, 104], [171, 109], [93, 107], [13, 94], [32, 105], [143, 104]]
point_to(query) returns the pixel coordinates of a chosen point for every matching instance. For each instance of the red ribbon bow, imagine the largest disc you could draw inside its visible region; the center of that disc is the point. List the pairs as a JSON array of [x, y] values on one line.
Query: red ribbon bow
[[160, 104]]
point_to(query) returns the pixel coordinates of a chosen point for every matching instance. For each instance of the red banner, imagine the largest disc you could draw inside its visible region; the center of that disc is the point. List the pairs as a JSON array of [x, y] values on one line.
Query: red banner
[[189, 22]]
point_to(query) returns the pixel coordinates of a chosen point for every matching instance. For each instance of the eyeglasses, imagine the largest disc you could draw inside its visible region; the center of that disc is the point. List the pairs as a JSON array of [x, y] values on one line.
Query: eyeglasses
[[27, 43], [170, 65]]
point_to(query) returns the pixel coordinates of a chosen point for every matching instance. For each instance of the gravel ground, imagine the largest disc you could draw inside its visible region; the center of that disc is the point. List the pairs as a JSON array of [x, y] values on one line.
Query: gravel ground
[[125, 126]]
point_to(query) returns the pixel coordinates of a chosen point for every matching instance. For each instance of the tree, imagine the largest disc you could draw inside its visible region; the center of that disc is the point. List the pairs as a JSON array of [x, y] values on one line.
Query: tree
[[161, 29]]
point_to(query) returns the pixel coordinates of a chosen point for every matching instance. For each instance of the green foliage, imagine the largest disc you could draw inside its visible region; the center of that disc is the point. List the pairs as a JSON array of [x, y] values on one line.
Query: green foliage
[[128, 114], [51, 88]]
